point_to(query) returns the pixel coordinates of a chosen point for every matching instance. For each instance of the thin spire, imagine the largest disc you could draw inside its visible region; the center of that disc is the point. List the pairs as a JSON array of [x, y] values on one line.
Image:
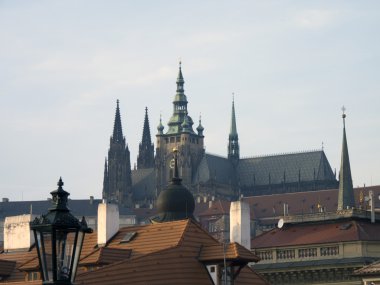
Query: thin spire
[[145, 158], [180, 80], [233, 138], [346, 192], [233, 129], [117, 129], [146, 139]]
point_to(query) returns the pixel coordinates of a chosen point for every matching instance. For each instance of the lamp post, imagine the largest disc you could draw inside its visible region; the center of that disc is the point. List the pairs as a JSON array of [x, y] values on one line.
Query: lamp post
[[59, 238]]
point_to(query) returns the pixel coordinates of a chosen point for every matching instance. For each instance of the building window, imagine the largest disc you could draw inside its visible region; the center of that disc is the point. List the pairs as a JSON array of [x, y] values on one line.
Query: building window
[[212, 227], [33, 276], [172, 139]]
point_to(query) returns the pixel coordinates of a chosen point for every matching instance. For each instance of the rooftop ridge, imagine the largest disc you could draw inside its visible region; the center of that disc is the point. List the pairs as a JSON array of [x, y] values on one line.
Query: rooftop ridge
[[282, 153], [291, 193], [217, 155]]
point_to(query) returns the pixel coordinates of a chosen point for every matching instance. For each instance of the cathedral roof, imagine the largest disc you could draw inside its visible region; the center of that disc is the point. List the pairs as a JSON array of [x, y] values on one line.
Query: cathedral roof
[[143, 184], [303, 166], [216, 168], [256, 170]]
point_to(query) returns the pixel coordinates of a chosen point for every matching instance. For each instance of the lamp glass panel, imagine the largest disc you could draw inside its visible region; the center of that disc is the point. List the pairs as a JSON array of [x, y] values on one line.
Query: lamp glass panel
[[78, 249], [45, 247], [64, 249]]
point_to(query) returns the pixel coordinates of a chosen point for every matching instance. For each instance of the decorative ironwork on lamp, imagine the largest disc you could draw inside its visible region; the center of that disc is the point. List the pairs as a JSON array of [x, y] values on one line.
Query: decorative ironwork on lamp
[[59, 238]]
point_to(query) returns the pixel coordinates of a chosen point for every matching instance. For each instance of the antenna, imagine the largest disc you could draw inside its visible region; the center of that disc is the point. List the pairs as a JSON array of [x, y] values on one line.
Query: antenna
[[280, 223]]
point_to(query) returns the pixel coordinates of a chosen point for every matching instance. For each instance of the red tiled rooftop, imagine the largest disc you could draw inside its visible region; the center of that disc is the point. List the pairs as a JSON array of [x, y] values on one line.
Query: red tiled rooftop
[[318, 233]]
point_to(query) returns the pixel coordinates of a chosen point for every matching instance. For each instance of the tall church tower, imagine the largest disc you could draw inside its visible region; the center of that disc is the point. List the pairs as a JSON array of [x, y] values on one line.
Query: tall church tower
[[233, 139], [180, 135], [346, 190], [145, 159], [117, 180]]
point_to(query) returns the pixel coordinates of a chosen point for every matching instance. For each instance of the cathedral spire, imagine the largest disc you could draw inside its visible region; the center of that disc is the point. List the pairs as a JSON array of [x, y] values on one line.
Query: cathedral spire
[[117, 129], [346, 192], [145, 159], [117, 181], [146, 139], [233, 138]]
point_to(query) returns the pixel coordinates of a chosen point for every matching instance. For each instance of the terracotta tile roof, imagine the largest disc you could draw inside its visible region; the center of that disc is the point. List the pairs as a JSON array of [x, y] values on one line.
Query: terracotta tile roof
[[6, 267], [267, 206], [105, 255], [233, 251], [150, 238], [167, 253], [170, 266], [218, 208], [20, 257], [32, 264], [248, 276], [372, 269], [28, 260], [318, 233]]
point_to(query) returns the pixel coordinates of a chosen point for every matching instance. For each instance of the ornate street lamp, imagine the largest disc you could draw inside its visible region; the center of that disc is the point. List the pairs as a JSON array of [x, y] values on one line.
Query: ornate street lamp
[[59, 238]]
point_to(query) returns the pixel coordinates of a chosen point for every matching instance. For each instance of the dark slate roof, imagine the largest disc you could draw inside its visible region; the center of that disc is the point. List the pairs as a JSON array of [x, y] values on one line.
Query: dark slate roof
[[77, 208], [143, 184], [256, 170], [216, 168]]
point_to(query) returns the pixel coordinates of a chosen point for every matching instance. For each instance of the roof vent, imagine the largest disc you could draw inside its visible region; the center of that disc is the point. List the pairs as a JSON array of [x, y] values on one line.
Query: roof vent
[[128, 237], [345, 226]]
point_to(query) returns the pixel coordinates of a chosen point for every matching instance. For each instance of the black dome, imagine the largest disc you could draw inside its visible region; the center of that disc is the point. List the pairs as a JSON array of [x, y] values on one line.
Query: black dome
[[175, 203]]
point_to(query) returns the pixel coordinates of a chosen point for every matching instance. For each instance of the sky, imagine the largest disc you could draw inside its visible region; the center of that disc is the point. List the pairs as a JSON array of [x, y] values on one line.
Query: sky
[[292, 65]]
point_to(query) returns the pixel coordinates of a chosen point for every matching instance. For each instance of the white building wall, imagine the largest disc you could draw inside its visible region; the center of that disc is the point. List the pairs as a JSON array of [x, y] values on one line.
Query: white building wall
[[17, 233], [240, 226]]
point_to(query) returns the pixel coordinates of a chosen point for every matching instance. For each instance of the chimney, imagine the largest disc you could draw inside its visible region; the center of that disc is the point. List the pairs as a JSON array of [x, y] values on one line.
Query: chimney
[[240, 223], [91, 200], [5, 200], [17, 233], [108, 222]]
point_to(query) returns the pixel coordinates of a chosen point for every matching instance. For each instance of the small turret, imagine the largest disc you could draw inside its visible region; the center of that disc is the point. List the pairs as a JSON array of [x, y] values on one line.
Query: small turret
[[200, 128], [160, 127], [346, 192]]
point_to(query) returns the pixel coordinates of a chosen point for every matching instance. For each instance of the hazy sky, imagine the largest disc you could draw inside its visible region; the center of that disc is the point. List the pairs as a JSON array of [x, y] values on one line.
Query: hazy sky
[[291, 64]]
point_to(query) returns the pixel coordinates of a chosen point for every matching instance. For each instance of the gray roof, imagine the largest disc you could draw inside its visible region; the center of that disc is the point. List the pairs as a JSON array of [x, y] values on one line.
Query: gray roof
[[304, 165], [143, 184], [216, 168], [77, 208]]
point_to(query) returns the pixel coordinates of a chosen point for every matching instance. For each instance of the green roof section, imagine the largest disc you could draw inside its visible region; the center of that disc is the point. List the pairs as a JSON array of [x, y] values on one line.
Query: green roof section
[[180, 113]]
